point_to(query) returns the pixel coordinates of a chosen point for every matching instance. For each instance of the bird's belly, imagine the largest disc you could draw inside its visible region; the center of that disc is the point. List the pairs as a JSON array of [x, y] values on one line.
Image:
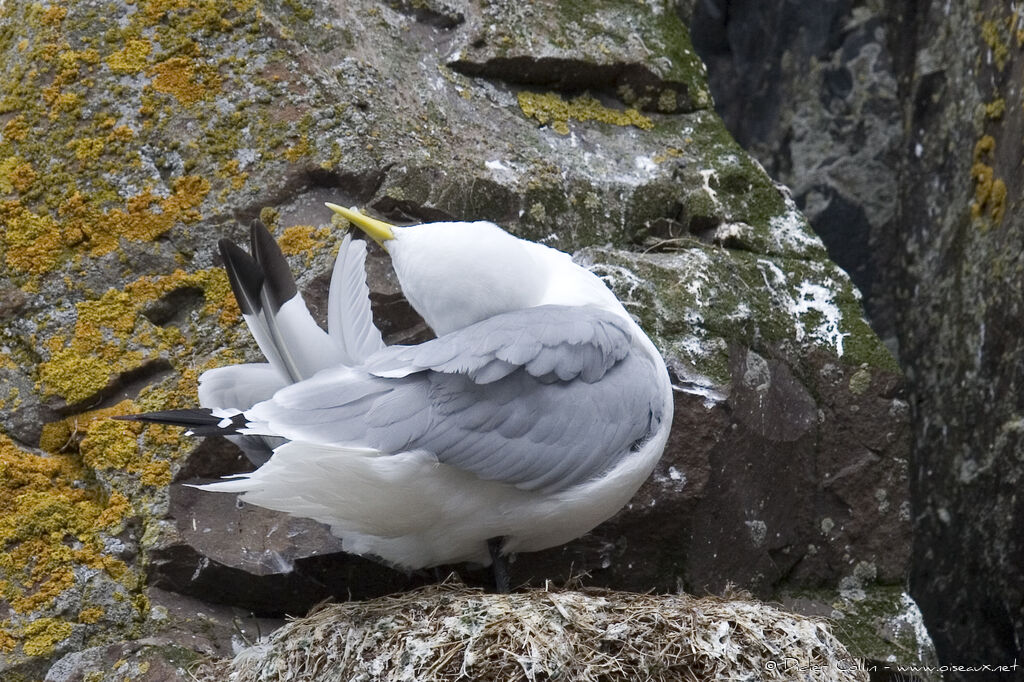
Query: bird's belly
[[414, 512]]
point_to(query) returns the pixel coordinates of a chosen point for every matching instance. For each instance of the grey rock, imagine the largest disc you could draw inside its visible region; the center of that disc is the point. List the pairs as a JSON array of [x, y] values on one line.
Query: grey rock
[[182, 631]]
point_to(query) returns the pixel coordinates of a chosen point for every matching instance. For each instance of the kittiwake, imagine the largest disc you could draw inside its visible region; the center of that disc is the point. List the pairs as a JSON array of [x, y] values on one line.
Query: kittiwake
[[536, 413]]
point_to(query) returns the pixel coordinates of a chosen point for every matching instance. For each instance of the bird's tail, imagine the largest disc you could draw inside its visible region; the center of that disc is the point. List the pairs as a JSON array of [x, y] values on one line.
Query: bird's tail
[[199, 421], [273, 308], [278, 318]]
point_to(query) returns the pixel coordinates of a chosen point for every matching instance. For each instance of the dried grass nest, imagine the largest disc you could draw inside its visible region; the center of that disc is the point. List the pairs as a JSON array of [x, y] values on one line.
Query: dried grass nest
[[451, 632]]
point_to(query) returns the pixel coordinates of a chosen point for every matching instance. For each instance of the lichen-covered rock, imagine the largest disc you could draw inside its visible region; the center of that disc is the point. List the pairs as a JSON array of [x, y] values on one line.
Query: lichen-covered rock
[[187, 632], [897, 125], [134, 133], [811, 90], [880, 625], [962, 286]]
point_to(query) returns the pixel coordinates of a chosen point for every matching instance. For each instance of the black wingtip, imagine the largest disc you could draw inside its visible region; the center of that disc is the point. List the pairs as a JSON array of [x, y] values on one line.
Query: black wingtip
[[280, 285], [245, 276], [199, 421]]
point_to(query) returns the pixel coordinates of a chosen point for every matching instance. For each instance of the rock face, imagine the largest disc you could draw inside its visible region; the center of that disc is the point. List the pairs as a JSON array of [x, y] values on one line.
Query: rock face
[[811, 90], [963, 300], [135, 134], [923, 99]]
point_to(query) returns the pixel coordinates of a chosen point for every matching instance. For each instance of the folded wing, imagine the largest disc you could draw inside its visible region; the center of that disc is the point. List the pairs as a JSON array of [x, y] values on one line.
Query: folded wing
[[542, 398]]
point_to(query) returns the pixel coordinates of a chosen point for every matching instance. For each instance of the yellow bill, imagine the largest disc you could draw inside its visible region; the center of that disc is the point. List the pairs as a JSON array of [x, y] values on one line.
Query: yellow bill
[[378, 230]]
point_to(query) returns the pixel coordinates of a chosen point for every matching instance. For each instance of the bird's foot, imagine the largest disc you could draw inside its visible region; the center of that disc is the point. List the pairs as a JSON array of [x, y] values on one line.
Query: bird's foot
[[499, 566]]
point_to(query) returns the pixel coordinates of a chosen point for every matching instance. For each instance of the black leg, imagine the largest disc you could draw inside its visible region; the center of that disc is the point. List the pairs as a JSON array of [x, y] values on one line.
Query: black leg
[[499, 565]]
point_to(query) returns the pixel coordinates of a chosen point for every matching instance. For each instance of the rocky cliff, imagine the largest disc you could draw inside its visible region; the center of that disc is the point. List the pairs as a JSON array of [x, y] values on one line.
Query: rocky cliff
[[898, 126], [136, 134]]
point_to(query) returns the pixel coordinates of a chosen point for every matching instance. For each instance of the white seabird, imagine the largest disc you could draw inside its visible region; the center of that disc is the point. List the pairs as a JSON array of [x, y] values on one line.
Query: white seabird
[[536, 413]]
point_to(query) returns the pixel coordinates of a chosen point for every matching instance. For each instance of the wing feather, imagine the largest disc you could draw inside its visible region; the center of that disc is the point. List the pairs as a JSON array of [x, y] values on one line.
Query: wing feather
[[349, 316], [572, 406]]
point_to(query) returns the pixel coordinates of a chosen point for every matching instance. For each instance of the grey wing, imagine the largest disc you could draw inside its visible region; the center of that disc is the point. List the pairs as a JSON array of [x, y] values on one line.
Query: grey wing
[[528, 427], [549, 342]]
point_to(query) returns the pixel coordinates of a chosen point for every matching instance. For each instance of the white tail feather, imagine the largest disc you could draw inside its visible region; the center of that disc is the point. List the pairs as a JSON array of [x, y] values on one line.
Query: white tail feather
[[349, 317]]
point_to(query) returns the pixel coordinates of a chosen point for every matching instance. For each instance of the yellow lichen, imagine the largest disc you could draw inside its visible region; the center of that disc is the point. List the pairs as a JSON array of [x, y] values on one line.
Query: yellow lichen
[[48, 525], [298, 150], [230, 170], [156, 473], [996, 108], [992, 35], [184, 79], [145, 216], [989, 190], [110, 444], [87, 148], [7, 641], [303, 239], [550, 108], [81, 366], [130, 59], [16, 129], [31, 242], [54, 14], [43, 635], [269, 216], [92, 614], [23, 176], [7, 167], [111, 336]]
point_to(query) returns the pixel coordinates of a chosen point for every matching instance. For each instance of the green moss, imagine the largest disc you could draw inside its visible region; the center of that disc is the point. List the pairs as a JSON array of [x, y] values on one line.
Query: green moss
[[878, 627]]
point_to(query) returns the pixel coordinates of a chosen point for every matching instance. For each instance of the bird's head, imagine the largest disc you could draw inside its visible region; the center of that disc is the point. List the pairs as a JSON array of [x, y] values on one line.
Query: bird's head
[[455, 274]]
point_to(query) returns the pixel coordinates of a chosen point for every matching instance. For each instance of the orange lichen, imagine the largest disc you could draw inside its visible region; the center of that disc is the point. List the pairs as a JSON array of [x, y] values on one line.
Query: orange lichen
[[303, 239], [185, 79]]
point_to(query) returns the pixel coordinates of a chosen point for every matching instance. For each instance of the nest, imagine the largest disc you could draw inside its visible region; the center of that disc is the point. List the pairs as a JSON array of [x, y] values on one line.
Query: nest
[[451, 632]]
